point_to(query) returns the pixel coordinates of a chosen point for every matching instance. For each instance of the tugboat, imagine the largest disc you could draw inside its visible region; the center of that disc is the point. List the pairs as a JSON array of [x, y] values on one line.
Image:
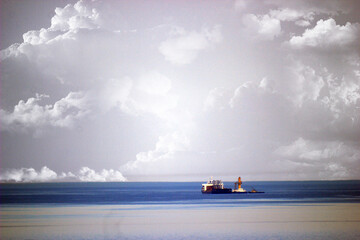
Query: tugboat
[[215, 187], [255, 191]]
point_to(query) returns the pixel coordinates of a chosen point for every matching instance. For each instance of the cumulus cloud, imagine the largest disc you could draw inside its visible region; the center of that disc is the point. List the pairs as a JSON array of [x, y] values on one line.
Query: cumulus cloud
[[31, 114], [80, 15], [309, 106], [67, 55], [347, 92], [65, 26], [327, 35], [302, 13], [217, 98], [323, 102], [301, 18], [165, 148], [264, 26], [150, 92], [89, 175], [29, 175], [114, 93], [306, 84], [154, 83], [333, 159], [287, 14], [249, 113], [318, 7], [77, 52], [183, 47], [268, 26], [45, 174], [303, 23], [80, 52]]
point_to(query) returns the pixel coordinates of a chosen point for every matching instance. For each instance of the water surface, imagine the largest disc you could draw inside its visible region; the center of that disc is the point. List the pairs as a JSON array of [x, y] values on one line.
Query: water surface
[[178, 193], [164, 210]]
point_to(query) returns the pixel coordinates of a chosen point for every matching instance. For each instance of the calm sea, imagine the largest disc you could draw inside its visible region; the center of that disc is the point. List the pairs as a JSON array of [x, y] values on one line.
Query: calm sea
[[178, 210], [124, 193]]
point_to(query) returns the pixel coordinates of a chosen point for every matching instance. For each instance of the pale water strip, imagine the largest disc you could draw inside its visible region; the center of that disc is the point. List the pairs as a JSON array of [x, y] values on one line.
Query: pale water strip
[[284, 221]]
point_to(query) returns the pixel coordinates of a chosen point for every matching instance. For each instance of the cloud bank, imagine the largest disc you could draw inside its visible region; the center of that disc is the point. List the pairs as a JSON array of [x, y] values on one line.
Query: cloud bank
[[45, 174]]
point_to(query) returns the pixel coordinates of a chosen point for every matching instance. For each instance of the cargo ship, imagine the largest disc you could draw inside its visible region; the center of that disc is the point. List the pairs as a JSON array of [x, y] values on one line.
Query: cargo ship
[[217, 187]]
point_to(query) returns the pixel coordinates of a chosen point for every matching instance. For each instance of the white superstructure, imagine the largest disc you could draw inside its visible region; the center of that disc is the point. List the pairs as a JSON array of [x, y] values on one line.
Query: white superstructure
[[212, 184]]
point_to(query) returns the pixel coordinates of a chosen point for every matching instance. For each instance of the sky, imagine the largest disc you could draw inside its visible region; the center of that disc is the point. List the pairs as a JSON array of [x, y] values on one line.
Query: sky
[[179, 90]]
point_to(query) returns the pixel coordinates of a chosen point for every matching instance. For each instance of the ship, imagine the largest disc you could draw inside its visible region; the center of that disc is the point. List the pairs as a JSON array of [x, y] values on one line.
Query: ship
[[217, 187]]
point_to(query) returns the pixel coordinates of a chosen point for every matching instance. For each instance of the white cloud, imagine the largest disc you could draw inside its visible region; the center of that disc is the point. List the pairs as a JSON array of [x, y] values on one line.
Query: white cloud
[[268, 84], [287, 14], [263, 26], [218, 99], [80, 15], [77, 49], [303, 23], [152, 94], [183, 47], [165, 148], [250, 98], [114, 93], [318, 7], [40, 37], [251, 110], [250, 93], [154, 83], [29, 175], [306, 84], [81, 53], [343, 90], [85, 174], [301, 18], [333, 159], [327, 35], [148, 93], [89, 175], [31, 114], [258, 113]]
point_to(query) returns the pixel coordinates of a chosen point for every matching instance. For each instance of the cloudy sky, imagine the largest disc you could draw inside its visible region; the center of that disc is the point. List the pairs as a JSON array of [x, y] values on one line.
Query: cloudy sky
[[179, 90]]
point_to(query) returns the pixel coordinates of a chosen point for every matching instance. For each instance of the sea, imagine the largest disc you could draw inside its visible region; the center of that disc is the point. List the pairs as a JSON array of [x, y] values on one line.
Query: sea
[[178, 210], [149, 193]]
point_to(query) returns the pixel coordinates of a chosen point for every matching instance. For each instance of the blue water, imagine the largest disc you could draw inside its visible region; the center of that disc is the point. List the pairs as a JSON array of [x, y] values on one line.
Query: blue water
[[177, 193]]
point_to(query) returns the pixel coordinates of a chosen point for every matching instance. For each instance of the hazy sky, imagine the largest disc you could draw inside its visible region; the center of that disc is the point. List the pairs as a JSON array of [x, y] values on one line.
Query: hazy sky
[[180, 90]]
